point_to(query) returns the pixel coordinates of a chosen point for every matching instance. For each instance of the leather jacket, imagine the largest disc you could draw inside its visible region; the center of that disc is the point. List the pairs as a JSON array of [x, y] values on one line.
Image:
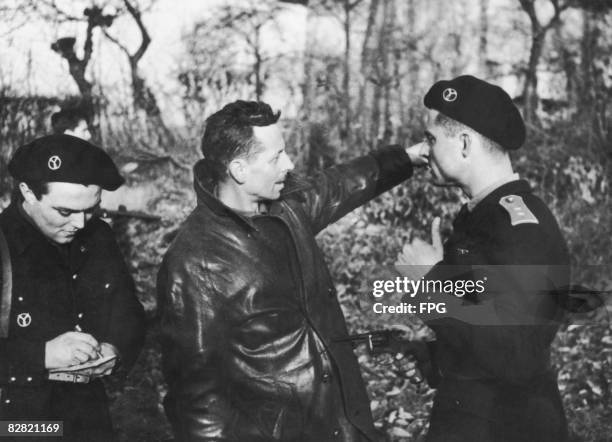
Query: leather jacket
[[244, 360]]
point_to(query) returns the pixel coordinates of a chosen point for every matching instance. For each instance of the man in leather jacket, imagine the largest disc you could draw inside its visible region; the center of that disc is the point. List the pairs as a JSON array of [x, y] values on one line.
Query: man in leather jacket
[[249, 313]]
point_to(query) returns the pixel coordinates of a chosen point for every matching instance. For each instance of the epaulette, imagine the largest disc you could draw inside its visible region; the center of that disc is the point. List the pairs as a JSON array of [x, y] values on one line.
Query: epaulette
[[518, 210]]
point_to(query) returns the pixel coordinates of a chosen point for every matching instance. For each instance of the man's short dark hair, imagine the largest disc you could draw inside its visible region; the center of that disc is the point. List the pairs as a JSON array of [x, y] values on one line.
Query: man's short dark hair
[[66, 119], [38, 188], [229, 134], [452, 128]]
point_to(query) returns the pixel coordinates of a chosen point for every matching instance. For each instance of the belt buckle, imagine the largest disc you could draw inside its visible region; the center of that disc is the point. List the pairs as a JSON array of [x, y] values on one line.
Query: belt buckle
[[74, 378], [79, 378]]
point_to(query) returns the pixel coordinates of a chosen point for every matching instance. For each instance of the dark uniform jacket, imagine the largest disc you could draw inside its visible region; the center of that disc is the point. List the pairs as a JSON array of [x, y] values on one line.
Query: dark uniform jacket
[[493, 348], [55, 289], [248, 349]]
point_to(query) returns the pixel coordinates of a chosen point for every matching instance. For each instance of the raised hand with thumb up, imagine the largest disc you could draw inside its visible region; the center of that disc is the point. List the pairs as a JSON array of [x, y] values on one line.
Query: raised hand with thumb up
[[418, 257]]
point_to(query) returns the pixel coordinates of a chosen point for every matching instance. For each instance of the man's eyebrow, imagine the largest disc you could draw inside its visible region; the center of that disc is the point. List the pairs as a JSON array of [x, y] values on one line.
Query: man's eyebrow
[[66, 209]]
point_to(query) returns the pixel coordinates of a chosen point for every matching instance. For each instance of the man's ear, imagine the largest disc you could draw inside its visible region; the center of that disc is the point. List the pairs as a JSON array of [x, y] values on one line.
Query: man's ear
[[237, 170], [467, 144], [27, 193]]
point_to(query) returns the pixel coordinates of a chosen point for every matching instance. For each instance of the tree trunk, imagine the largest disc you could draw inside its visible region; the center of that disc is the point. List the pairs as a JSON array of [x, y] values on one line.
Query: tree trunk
[[413, 67], [257, 66], [388, 50], [483, 41], [345, 133], [77, 67], [367, 72], [530, 91]]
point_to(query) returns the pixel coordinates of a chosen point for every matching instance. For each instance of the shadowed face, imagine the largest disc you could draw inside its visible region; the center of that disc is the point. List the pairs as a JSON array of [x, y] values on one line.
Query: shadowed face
[[63, 210], [265, 171]]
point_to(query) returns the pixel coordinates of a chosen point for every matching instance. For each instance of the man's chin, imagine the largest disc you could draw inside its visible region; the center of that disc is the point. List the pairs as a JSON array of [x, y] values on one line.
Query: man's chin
[[64, 239], [437, 183]]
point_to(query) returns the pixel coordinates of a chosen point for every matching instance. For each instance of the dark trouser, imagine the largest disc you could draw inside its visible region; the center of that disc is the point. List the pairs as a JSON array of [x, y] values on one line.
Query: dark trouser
[[83, 409], [486, 411]]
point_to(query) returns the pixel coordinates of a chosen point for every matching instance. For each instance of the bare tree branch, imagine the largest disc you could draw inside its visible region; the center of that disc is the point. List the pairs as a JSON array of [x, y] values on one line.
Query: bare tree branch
[[146, 38], [116, 41], [56, 13]]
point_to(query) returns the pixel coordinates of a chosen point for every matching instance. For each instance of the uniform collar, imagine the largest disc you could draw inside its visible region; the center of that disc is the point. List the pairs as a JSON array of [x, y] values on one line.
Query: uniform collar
[[479, 213], [489, 189], [20, 228], [515, 187], [23, 232]]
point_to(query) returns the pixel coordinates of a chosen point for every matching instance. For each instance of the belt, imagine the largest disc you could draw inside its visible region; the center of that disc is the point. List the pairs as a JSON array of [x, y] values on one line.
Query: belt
[[63, 376]]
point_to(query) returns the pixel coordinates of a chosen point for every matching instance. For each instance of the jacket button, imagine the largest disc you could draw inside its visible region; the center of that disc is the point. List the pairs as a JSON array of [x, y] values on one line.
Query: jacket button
[[331, 292], [29, 379], [83, 249], [12, 379], [74, 276], [107, 285], [336, 432], [326, 377], [20, 299], [80, 315], [7, 401]]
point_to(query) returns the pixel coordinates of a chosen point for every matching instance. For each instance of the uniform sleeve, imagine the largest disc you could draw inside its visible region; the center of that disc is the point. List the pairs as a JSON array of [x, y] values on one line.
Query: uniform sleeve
[[194, 337], [336, 191]]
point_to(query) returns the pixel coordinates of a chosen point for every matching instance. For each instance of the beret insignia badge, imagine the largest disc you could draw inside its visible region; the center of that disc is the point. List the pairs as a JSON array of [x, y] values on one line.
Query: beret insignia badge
[[24, 319], [449, 94], [54, 162]]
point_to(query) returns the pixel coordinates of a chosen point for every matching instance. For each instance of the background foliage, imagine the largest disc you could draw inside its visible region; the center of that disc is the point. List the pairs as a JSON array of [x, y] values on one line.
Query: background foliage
[[356, 83]]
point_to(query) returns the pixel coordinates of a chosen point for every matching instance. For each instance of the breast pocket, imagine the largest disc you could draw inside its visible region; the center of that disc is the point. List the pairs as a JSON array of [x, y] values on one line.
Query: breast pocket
[[93, 301], [41, 306]]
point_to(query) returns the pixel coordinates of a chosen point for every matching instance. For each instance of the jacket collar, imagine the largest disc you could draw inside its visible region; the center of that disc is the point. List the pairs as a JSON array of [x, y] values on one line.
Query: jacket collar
[[466, 216], [204, 189], [21, 230], [24, 233], [486, 191], [509, 188]]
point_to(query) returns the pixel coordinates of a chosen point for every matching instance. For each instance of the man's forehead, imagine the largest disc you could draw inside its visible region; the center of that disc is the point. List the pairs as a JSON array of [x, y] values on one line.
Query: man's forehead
[[271, 134], [71, 194]]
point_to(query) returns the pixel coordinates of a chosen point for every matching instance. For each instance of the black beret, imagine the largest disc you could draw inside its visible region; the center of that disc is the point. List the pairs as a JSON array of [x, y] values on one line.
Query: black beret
[[67, 159], [484, 107]]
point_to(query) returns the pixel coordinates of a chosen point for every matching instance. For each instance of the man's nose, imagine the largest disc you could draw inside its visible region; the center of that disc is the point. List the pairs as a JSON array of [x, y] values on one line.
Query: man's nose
[[78, 220], [289, 166]]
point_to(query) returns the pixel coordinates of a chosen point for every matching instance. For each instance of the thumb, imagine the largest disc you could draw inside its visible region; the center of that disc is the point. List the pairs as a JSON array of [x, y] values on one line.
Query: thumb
[[436, 238]]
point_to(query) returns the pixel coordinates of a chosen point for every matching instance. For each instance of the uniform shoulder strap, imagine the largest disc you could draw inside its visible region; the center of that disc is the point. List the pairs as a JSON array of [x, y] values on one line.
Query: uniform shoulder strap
[[7, 287], [518, 210]]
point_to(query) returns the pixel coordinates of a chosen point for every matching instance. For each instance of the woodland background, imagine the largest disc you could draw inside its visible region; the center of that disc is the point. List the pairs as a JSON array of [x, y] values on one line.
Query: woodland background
[[354, 81]]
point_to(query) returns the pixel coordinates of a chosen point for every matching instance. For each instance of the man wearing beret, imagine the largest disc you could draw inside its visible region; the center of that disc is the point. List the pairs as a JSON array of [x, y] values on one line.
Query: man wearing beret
[[491, 355], [254, 344], [67, 298]]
